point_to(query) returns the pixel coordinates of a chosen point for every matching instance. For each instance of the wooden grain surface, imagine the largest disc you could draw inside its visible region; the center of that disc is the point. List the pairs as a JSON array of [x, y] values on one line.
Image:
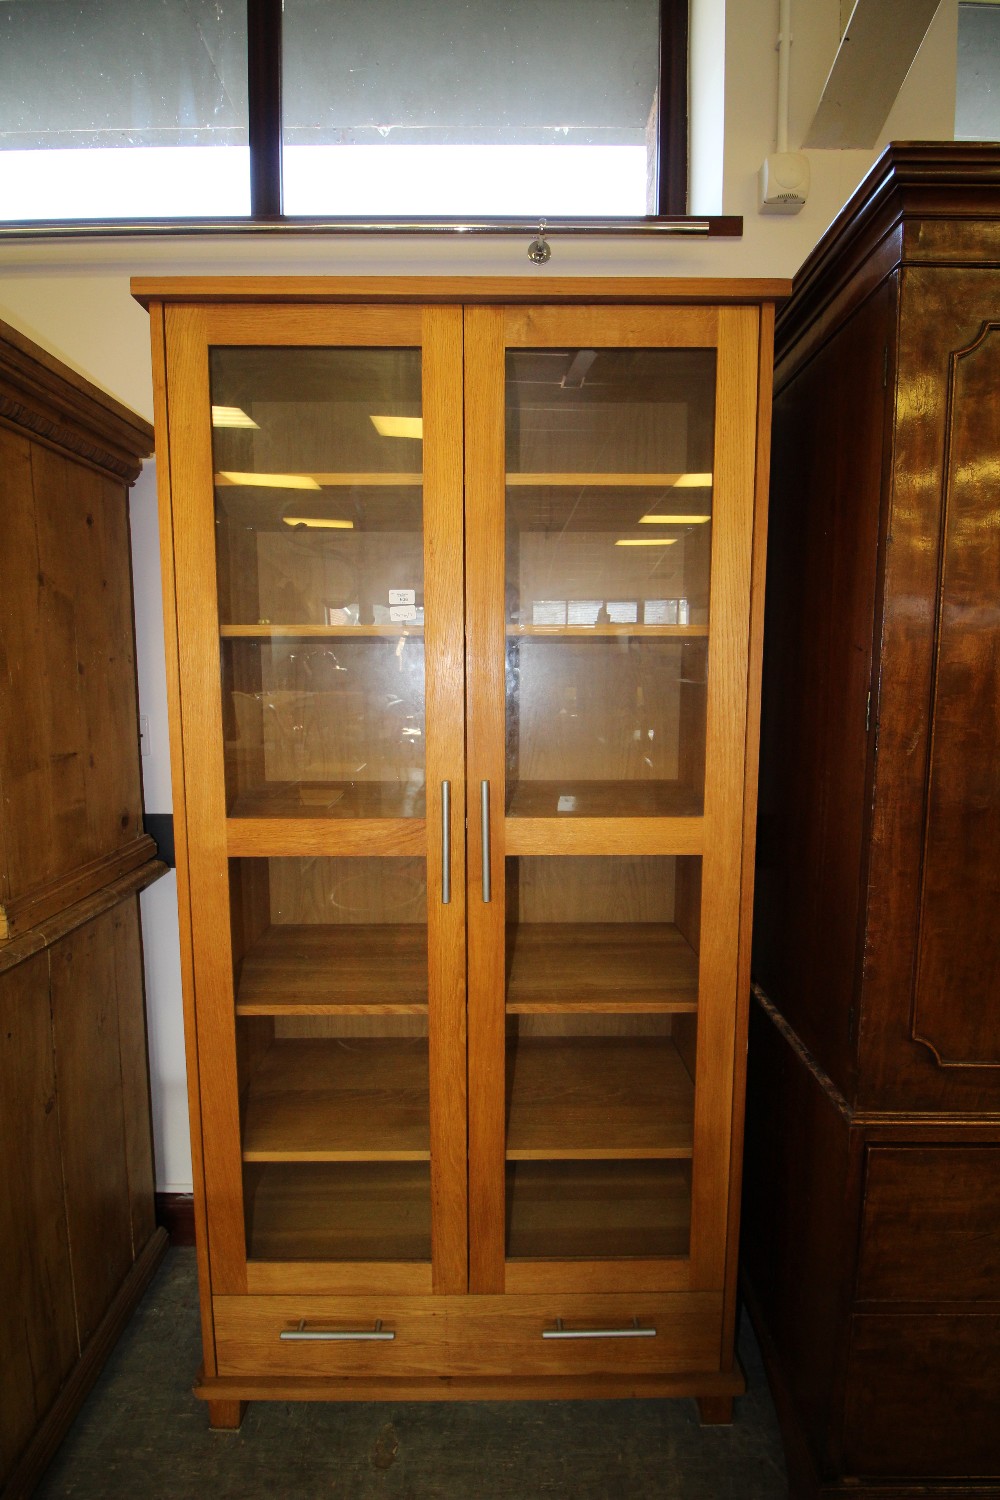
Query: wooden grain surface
[[370, 1211], [606, 966], [351, 969], [308, 835], [442, 374], [597, 1210], [71, 769], [734, 494], [177, 779], [133, 1060], [469, 1336], [37, 1317], [485, 465], [597, 1098], [931, 1224], [323, 1100], [95, 1142], [467, 289]]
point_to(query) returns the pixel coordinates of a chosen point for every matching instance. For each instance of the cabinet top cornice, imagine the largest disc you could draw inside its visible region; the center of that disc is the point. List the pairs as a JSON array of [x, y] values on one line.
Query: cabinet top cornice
[[464, 289]]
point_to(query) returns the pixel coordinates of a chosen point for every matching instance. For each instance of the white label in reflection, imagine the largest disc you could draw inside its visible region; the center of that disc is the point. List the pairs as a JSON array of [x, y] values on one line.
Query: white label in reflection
[[583, 611], [566, 804], [623, 611], [660, 612], [398, 613], [402, 596], [548, 612]]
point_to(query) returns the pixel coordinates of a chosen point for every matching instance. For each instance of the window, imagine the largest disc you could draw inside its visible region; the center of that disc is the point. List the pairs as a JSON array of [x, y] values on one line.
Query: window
[[977, 101], [115, 110], [387, 110]]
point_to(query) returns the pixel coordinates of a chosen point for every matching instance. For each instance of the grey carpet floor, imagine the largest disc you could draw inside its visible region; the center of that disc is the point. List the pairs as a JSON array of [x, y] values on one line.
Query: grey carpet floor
[[142, 1434]]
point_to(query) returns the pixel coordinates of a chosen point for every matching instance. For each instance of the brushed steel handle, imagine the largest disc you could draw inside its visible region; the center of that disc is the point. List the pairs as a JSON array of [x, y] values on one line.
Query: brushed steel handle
[[484, 798], [338, 1335], [445, 842], [633, 1331]]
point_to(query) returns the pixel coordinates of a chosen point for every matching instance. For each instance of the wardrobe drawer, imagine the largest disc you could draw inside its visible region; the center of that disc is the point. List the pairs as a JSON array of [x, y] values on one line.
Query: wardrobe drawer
[[931, 1224], [433, 1336], [922, 1395]]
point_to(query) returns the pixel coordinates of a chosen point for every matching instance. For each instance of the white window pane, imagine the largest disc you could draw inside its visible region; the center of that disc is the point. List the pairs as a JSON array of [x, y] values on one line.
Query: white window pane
[[465, 180], [115, 108], [468, 107]]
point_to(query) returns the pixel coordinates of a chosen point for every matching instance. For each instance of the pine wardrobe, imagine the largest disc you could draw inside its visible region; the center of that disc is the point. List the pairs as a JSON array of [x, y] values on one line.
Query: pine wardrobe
[[463, 585]]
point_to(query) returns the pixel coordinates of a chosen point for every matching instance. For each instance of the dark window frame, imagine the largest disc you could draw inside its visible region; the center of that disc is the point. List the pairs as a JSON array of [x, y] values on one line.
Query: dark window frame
[[264, 105], [669, 167]]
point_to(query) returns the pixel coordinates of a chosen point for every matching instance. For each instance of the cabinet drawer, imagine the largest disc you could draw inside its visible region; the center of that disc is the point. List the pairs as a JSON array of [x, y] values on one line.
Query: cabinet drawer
[[435, 1336], [922, 1394], [932, 1224]]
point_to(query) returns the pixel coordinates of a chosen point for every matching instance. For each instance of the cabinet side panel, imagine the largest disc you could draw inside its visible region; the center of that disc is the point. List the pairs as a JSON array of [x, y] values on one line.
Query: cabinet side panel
[[931, 970], [71, 771], [21, 754], [91, 1116], [826, 469], [37, 1324], [169, 585], [958, 956], [129, 992], [801, 1202]]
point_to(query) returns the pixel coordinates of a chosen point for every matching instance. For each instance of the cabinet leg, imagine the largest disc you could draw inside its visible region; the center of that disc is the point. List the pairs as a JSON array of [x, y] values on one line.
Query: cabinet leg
[[715, 1411], [226, 1416]]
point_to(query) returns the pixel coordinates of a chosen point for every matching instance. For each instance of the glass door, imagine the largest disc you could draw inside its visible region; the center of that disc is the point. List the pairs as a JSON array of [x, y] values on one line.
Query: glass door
[[610, 513], [321, 471]]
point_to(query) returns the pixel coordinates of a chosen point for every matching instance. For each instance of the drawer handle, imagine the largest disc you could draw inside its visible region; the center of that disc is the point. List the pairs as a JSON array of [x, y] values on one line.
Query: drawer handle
[[631, 1332], [339, 1336]]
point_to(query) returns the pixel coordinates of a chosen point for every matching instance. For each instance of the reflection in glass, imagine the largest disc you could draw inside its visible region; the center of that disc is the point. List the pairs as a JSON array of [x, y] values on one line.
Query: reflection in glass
[[330, 979], [601, 1005], [608, 551], [318, 475]]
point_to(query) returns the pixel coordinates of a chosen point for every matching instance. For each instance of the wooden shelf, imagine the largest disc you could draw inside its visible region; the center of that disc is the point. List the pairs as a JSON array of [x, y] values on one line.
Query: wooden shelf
[[321, 632], [325, 1100], [317, 970], [358, 1211], [597, 1098], [608, 967], [598, 1210], [619, 480], [602, 799], [332, 799], [362, 480], [597, 632]]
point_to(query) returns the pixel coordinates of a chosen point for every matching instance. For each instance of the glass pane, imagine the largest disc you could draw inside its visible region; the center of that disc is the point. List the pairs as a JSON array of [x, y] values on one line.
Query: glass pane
[[487, 107], [601, 1000], [609, 506], [110, 109], [330, 974], [319, 528], [977, 95]]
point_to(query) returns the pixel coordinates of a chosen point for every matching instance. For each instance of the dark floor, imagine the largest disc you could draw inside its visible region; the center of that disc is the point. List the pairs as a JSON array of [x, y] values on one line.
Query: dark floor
[[143, 1434]]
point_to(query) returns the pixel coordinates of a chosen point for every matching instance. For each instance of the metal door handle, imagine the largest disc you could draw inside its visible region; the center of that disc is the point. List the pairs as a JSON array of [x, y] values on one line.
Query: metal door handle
[[338, 1335], [484, 795], [445, 842], [632, 1331]]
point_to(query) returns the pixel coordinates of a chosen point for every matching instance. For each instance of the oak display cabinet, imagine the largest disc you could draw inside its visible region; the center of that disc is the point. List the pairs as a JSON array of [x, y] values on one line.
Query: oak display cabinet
[[463, 606]]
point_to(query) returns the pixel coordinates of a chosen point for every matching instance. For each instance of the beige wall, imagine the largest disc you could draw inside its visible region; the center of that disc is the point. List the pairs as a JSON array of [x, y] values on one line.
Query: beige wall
[[73, 298]]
